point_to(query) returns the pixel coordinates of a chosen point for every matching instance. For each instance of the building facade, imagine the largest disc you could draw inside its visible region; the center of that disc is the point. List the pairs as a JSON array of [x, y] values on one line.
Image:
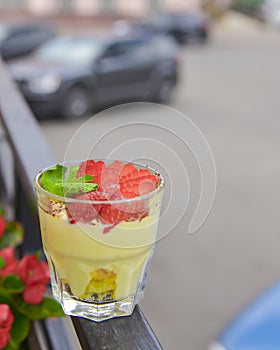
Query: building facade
[[135, 8]]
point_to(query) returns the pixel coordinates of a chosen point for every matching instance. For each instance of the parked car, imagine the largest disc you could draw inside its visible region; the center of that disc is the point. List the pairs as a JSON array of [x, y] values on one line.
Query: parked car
[[21, 39], [71, 76], [182, 26], [256, 327]]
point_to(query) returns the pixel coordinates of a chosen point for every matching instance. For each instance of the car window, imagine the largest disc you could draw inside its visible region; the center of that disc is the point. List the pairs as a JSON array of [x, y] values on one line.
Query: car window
[[124, 48], [14, 33], [3, 32], [162, 21], [69, 50]]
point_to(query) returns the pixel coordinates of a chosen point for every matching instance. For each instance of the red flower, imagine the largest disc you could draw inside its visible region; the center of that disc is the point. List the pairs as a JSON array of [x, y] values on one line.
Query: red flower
[[10, 262], [33, 271], [2, 226], [6, 321], [5, 337], [35, 275], [34, 294], [6, 316]]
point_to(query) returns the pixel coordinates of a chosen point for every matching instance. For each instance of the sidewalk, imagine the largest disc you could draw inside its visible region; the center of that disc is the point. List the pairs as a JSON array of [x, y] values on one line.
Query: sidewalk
[[244, 31]]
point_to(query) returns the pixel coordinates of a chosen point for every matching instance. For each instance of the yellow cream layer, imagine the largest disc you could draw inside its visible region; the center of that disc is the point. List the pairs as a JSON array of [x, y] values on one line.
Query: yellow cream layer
[[78, 249]]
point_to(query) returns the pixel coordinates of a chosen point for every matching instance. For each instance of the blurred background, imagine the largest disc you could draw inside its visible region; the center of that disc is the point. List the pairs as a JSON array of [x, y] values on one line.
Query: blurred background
[[215, 61]]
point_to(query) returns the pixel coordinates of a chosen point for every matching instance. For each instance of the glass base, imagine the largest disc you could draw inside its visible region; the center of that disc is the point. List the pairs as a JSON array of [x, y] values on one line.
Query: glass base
[[95, 311]]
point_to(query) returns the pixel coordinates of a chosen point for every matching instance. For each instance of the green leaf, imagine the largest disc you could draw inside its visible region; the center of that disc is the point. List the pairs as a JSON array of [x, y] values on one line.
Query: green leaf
[[68, 188], [11, 346], [20, 329], [47, 308], [2, 211], [5, 298], [2, 262], [53, 180], [13, 235], [52, 176], [53, 307], [38, 255], [13, 284], [72, 173]]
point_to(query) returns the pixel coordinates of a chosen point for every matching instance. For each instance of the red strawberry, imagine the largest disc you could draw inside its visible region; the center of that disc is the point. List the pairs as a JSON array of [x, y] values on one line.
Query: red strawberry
[[116, 165], [137, 216], [114, 213], [143, 172], [128, 172], [139, 186], [91, 167], [116, 181], [109, 181], [85, 212], [110, 214]]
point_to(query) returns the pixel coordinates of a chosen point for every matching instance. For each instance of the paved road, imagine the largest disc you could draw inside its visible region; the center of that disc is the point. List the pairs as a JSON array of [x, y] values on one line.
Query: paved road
[[230, 89]]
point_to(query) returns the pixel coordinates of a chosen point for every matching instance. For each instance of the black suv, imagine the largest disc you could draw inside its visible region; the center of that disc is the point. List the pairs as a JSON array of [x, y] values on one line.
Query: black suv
[[71, 76], [21, 39]]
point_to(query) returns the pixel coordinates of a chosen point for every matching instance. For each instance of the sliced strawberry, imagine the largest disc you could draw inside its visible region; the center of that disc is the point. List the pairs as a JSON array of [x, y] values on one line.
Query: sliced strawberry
[[116, 165], [147, 184], [110, 214], [84, 212], [143, 172], [109, 181], [116, 181], [128, 172], [139, 186], [127, 169], [113, 214], [91, 167], [137, 216]]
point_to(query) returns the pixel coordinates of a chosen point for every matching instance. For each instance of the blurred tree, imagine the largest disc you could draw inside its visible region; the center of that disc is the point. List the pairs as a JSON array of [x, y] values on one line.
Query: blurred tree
[[216, 8], [247, 6]]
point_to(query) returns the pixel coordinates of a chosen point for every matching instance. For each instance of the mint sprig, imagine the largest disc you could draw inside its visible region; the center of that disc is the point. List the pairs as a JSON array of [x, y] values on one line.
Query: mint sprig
[[53, 180]]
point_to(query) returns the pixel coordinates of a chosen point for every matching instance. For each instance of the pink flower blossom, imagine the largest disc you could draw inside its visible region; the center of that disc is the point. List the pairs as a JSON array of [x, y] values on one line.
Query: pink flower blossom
[[35, 275], [10, 262], [6, 321], [2, 226], [34, 294]]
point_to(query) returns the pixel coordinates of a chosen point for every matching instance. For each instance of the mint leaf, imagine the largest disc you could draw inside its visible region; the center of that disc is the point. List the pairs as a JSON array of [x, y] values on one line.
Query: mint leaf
[[53, 180], [69, 189], [53, 176], [72, 173]]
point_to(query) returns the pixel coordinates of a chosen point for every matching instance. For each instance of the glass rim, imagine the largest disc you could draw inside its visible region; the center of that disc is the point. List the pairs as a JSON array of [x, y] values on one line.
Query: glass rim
[[39, 188]]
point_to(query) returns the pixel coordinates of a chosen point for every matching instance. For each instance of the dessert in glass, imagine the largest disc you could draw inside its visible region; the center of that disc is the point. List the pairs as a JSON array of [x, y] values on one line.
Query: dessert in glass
[[99, 224]]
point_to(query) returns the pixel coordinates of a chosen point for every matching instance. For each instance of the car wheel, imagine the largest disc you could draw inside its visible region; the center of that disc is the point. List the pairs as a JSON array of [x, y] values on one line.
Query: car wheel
[[164, 91], [76, 103]]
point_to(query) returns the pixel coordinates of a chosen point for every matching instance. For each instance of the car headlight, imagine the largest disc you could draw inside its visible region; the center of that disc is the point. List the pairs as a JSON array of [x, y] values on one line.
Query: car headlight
[[46, 84]]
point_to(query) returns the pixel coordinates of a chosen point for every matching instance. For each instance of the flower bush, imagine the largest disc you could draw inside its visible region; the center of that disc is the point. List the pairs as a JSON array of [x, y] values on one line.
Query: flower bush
[[22, 288]]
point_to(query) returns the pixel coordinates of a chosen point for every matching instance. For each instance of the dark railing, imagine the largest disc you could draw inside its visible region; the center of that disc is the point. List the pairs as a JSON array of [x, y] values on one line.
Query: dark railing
[[30, 153]]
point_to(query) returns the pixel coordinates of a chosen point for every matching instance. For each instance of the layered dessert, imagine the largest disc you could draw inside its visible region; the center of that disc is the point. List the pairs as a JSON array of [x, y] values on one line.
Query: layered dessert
[[99, 224]]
